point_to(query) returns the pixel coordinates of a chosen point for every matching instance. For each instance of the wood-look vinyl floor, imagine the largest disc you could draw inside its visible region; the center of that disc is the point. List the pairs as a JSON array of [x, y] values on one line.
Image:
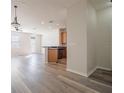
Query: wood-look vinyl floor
[[31, 75], [103, 76]]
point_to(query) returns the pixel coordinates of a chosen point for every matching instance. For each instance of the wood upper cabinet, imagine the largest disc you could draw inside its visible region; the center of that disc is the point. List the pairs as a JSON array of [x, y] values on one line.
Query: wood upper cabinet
[[63, 37]]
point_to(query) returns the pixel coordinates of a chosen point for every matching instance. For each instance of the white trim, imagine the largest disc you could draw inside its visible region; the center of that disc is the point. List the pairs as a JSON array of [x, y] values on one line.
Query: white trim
[[104, 68], [98, 67], [82, 74], [90, 72]]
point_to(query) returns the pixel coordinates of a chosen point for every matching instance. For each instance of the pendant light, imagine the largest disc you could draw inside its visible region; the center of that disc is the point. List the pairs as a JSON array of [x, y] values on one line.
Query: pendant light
[[15, 23]]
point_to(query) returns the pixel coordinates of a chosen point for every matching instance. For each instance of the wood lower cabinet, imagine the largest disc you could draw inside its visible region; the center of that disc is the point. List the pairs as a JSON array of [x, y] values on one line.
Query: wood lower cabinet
[[52, 54], [61, 52]]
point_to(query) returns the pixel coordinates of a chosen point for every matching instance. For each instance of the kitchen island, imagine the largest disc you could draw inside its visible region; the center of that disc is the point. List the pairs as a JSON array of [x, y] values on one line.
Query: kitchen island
[[56, 54]]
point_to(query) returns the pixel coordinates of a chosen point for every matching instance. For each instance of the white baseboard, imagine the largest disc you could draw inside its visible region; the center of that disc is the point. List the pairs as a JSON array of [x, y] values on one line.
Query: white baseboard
[[90, 72], [82, 74], [104, 68], [98, 67]]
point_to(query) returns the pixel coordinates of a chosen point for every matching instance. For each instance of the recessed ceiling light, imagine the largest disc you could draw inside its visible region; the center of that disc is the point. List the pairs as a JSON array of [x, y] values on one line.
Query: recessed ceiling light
[[57, 24], [42, 23]]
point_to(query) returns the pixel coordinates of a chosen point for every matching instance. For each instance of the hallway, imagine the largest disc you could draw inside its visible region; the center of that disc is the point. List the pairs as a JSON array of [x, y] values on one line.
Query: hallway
[[31, 75]]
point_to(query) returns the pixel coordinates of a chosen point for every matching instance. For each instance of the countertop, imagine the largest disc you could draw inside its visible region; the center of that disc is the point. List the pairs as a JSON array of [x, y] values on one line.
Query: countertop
[[54, 46]]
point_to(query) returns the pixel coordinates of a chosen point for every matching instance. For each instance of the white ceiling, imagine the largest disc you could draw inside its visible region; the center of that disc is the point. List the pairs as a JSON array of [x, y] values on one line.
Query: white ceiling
[[32, 13], [101, 4]]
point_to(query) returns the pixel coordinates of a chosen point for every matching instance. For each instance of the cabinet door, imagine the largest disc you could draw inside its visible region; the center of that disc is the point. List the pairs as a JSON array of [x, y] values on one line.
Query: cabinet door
[[62, 53], [52, 55], [63, 38]]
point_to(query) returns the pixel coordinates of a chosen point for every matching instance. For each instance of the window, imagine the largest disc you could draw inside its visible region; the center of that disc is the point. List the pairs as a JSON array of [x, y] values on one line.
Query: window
[[15, 40]]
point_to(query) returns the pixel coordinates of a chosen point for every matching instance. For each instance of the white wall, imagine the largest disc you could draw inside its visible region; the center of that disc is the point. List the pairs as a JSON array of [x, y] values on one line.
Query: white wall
[[91, 39], [50, 38], [88, 40], [104, 38], [36, 43], [24, 41], [77, 38]]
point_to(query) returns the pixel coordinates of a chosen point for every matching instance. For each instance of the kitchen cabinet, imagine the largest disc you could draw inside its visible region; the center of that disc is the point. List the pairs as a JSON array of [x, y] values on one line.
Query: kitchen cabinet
[[52, 54], [56, 53], [63, 37]]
